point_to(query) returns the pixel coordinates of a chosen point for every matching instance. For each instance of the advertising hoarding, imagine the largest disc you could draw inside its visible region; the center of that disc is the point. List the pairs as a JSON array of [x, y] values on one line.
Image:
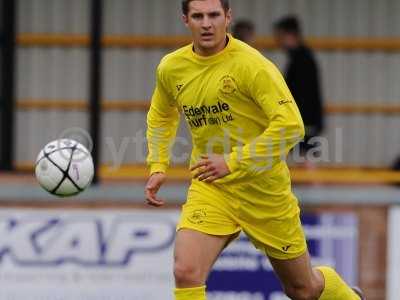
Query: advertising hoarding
[[118, 255]]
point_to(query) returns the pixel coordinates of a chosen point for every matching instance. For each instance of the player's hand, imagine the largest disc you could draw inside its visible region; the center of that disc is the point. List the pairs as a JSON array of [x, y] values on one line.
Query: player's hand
[[153, 185], [210, 168]]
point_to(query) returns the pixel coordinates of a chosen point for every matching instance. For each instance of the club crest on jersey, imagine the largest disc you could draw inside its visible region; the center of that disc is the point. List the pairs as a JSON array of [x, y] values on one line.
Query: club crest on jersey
[[227, 84]]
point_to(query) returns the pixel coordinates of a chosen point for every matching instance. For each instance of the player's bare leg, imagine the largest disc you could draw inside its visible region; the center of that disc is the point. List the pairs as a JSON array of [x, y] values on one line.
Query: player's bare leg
[[195, 254], [302, 282], [298, 279]]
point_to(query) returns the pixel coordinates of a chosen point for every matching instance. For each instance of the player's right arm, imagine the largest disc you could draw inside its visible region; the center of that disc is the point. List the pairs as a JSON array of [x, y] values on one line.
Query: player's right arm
[[162, 123]]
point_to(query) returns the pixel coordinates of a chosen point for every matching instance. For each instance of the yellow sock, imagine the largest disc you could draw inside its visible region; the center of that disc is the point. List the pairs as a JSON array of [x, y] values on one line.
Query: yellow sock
[[335, 287], [197, 293]]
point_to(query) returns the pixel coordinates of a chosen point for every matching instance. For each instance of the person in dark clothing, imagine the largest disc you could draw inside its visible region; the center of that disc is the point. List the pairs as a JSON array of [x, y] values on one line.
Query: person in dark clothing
[[396, 167], [302, 77], [244, 30]]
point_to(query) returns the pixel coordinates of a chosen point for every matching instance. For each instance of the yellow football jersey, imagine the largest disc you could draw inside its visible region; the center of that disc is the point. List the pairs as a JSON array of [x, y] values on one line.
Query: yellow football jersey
[[236, 103]]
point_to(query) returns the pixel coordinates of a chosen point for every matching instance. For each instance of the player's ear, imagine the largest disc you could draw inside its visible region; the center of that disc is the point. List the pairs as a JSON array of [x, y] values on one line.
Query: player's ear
[[228, 16], [185, 20]]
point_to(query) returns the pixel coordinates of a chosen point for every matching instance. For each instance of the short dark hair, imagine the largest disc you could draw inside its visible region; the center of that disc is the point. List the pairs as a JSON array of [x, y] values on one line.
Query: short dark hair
[[185, 6], [242, 28], [289, 24]]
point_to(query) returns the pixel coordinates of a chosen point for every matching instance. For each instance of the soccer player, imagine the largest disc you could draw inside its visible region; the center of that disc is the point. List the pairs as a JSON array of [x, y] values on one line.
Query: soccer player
[[243, 122]]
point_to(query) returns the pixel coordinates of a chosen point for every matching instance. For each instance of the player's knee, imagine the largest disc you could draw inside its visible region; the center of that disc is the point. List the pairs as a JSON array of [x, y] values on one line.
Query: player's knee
[[186, 274], [302, 292]]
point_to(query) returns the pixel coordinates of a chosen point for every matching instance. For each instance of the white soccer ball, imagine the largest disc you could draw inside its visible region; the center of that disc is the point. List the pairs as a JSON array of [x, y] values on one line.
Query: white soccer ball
[[64, 167]]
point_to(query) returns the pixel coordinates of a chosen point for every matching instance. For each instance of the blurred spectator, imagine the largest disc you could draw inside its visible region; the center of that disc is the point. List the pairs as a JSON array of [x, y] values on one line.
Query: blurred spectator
[[302, 77], [396, 167], [244, 30]]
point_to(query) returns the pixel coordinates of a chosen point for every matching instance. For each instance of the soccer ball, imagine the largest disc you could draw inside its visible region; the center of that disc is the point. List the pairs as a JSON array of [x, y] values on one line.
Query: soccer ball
[[64, 167]]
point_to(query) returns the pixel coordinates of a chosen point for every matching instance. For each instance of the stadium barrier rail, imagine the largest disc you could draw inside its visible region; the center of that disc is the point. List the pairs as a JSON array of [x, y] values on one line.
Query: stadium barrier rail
[[385, 44], [143, 105]]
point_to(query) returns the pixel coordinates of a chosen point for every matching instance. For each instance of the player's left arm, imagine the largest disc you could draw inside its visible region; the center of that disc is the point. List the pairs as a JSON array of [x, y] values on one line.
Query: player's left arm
[[285, 129], [210, 168]]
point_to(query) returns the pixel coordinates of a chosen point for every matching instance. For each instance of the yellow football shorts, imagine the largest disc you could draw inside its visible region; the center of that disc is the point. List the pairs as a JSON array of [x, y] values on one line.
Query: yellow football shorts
[[264, 208]]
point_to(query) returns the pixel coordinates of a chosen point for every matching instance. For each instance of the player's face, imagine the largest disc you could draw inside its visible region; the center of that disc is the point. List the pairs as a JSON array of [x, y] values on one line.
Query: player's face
[[208, 22]]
